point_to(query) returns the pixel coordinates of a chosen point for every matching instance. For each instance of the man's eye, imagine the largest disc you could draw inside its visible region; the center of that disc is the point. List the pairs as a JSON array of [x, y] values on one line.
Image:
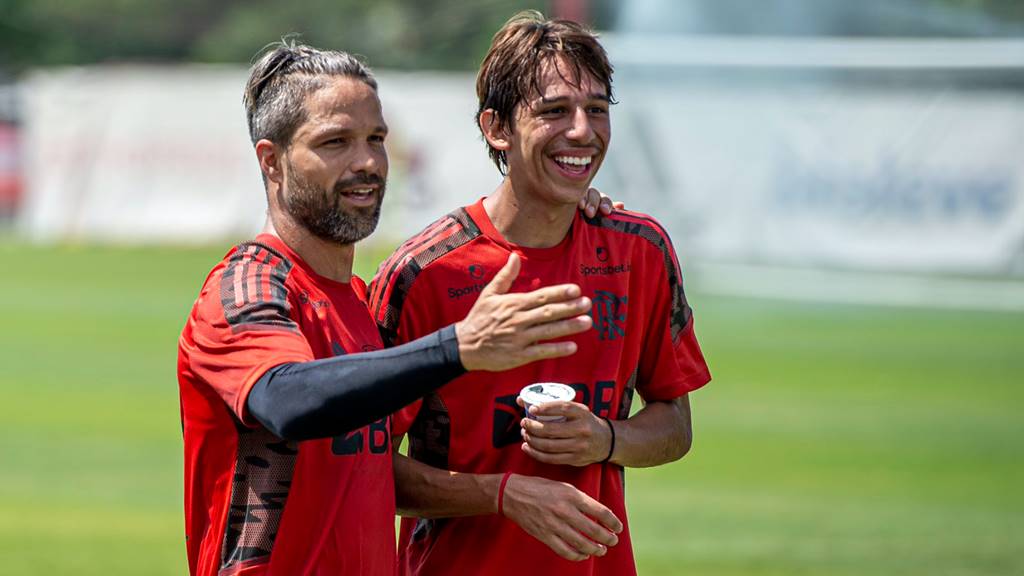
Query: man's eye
[[336, 141], [554, 111], [598, 110], [377, 138]]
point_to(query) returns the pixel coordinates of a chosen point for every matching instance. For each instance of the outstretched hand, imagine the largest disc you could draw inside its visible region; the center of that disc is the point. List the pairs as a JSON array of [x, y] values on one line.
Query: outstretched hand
[[504, 331]]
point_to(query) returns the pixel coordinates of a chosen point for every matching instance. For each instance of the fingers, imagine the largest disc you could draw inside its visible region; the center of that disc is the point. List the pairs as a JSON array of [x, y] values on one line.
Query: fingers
[[593, 198], [601, 535], [559, 329], [547, 350], [560, 547], [600, 513], [592, 526], [540, 436], [549, 295], [571, 523], [560, 459], [580, 543], [571, 410], [556, 311], [503, 280], [594, 201]]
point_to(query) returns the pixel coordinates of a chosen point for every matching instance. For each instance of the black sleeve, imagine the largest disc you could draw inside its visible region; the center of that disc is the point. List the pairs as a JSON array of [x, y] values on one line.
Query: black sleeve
[[333, 396]]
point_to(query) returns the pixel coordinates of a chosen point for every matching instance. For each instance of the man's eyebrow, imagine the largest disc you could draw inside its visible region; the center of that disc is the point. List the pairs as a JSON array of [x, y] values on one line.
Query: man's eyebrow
[[592, 96], [331, 131], [344, 131]]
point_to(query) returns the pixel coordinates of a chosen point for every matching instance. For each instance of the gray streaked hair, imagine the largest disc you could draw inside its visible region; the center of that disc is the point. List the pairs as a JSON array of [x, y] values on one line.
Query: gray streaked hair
[[281, 79]]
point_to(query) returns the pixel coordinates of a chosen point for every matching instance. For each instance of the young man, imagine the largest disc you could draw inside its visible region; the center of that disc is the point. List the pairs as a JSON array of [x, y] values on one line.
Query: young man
[[477, 473], [285, 393]]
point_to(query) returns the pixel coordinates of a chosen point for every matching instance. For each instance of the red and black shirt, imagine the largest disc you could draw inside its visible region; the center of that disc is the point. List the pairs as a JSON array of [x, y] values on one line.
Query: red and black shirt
[[256, 504], [642, 342]]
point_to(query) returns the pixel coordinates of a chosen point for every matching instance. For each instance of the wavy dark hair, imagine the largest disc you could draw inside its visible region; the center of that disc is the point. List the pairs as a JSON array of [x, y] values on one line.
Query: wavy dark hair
[[511, 70]]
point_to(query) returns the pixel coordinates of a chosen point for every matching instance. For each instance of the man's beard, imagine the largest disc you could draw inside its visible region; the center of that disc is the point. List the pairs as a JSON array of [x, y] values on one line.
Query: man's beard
[[322, 212]]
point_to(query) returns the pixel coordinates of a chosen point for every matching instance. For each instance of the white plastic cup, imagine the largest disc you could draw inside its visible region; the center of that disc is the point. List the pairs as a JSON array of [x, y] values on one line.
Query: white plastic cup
[[541, 393]]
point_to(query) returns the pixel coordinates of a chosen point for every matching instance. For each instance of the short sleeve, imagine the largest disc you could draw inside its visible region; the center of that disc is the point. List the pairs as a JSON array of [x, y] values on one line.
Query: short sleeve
[[241, 326], [672, 363]]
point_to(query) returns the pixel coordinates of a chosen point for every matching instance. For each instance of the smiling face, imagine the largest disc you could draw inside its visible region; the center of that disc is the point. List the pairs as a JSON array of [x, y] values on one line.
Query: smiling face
[[335, 167], [559, 136]]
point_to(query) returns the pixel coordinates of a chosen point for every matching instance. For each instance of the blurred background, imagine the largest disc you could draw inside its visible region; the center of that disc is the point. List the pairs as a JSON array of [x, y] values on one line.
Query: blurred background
[[844, 183]]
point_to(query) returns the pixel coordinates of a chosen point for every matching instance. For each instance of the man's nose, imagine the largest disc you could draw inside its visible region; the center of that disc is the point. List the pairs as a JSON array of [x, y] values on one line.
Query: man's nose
[[581, 129], [369, 160]]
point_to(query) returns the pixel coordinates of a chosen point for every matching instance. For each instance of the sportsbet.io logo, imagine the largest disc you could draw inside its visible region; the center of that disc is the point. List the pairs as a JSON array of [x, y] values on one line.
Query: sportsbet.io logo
[[603, 269], [476, 272]]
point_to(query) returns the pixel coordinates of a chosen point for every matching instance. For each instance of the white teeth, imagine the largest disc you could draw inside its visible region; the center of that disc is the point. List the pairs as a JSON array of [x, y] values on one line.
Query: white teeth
[[361, 192], [574, 160]]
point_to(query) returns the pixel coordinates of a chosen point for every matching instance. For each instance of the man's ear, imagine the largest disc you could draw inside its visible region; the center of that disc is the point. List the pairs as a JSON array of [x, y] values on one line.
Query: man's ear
[[497, 137], [270, 157]]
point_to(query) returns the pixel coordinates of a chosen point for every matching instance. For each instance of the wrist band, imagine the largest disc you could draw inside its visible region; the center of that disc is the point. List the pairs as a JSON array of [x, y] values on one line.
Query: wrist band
[[611, 449], [501, 493]]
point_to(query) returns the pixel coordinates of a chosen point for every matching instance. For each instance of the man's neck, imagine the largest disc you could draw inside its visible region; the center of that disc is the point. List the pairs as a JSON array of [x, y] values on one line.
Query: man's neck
[[328, 259], [525, 220]]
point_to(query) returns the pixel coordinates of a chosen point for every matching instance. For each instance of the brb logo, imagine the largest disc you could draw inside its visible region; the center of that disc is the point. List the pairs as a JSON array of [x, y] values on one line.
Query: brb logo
[[609, 314], [507, 413]]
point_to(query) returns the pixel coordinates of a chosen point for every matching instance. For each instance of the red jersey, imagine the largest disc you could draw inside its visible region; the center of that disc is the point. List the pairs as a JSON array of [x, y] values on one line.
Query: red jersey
[[254, 503], [642, 341]]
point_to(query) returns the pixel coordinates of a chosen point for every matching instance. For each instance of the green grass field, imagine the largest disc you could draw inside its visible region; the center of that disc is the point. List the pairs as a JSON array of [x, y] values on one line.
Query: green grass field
[[834, 440]]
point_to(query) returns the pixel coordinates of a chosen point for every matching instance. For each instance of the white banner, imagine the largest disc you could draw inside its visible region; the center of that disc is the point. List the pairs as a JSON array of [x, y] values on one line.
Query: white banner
[[876, 179], [134, 154], [864, 175], [852, 153]]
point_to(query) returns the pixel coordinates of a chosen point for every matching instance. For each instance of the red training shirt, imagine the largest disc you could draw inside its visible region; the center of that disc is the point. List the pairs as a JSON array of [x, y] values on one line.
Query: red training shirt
[[256, 504], [642, 341]]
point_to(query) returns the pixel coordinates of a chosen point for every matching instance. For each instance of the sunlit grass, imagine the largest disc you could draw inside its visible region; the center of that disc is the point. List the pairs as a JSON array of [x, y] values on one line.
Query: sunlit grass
[[833, 440]]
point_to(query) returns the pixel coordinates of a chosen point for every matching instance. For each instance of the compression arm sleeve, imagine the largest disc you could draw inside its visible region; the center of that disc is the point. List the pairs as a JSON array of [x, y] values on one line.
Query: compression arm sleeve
[[330, 397]]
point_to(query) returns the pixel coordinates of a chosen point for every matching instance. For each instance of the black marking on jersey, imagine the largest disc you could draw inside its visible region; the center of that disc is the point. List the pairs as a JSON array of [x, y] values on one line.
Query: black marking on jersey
[[426, 527], [626, 401], [430, 435], [505, 429], [651, 231], [337, 349], [256, 263], [407, 264], [264, 465]]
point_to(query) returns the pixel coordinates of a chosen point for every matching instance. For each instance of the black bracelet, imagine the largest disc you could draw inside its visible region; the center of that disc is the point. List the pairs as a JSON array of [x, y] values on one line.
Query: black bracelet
[[611, 449]]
